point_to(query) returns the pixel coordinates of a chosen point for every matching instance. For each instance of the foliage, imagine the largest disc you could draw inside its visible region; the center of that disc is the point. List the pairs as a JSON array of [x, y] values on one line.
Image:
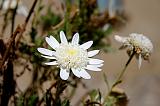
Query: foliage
[[81, 16]]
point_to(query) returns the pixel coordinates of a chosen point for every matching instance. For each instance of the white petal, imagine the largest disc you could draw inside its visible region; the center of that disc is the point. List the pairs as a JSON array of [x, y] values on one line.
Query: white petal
[[95, 61], [51, 63], [86, 45], [64, 74], [98, 65], [46, 51], [76, 72], [84, 74], [48, 57], [63, 37], [120, 39], [52, 42], [139, 61], [93, 53], [75, 39], [93, 68]]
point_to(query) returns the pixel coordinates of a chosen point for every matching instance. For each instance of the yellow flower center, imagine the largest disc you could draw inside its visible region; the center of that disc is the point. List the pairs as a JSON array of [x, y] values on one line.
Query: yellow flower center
[[72, 52], [71, 56]]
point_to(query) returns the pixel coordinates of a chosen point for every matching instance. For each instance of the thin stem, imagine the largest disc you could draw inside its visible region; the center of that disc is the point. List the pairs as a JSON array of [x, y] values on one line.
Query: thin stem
[[118, 80], [31, 11], [67, 22], [11, 41], [5, 23], [106, 81], [2, 4], [26, 22], [93, 103], [13, 17], [58, 25], [82, 99], [5, 19]]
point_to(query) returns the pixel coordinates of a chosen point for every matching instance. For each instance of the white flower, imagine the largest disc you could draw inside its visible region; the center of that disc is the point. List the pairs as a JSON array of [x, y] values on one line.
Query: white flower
[[138, 42], [70, 56], [11, 4]]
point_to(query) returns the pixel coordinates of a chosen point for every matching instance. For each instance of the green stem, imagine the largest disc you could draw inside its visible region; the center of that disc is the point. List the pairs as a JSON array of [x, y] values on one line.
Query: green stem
[[118, 80], [67, 22], [106, 81]]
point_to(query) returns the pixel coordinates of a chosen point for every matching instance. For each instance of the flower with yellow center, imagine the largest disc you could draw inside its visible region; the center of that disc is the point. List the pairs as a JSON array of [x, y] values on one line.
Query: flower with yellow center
[[70, 56], [139, 43]]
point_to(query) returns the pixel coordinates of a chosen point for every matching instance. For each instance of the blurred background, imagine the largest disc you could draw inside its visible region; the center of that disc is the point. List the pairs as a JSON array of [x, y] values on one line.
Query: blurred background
[[141, 85]]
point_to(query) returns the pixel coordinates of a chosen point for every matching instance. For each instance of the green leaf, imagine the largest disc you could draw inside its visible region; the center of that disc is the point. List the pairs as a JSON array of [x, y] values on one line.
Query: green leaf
[[95, 95], [111, 101], [65, 103], [20, 101], [33, 100]]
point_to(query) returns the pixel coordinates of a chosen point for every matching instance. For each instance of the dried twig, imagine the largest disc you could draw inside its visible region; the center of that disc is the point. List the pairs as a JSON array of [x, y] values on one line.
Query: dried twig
[[58, 25], [82, 98], [26, 22], [2, 4], [13, 36], [49, 89], [13, 17], [92, 103], [10, 42], [5, 18]]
